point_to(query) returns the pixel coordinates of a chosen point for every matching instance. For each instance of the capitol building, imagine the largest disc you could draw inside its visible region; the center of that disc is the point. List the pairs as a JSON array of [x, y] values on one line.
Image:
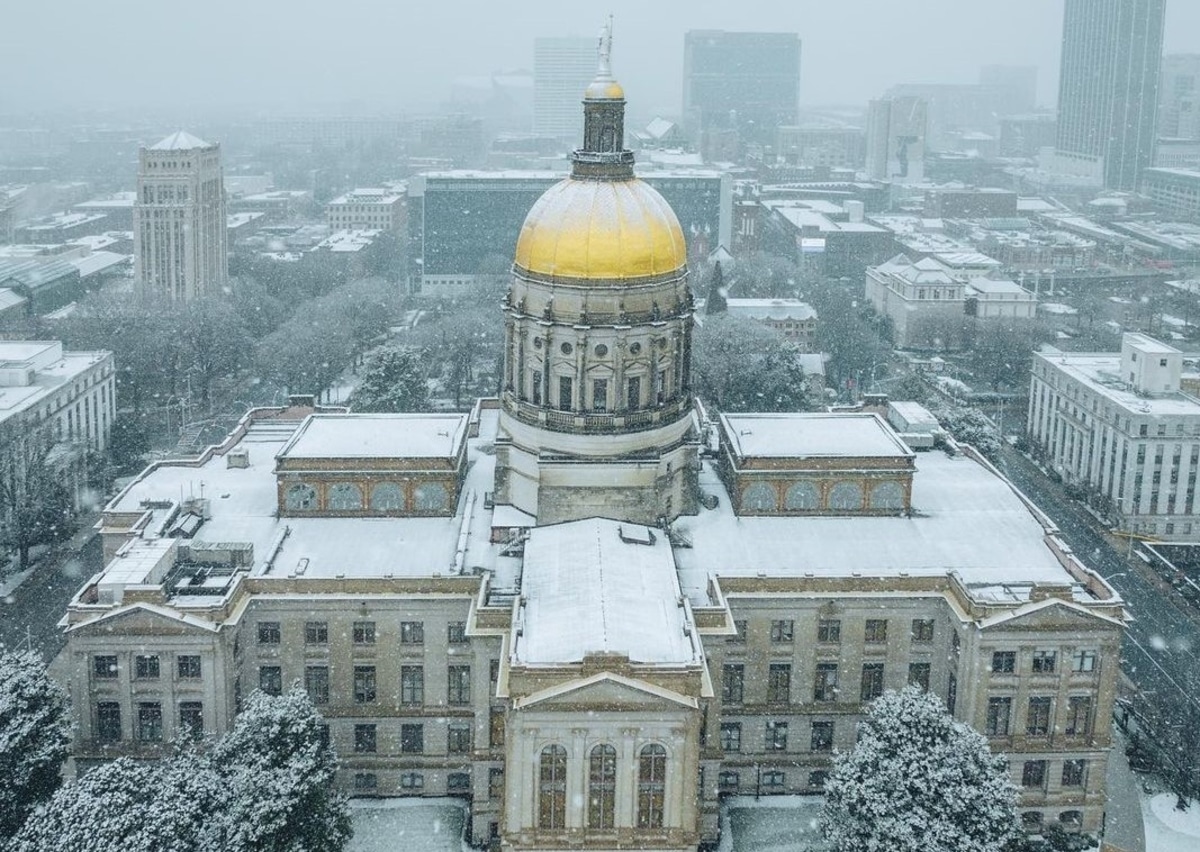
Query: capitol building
[[592, 608]]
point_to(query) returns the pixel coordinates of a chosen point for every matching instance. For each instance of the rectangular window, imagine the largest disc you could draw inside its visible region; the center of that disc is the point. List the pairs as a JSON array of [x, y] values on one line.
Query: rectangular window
[[364, 633], [316, 633], [495, 783], [999, 712], [1079, 716], [268, 633], [535, 385], [191, 719], [565, 393], [822, 736], [633, 393], [1044, 661], [458, 782], [922, 630], [825, 682], [458, 685], [600, 395], [145, 666], [738, 638], [876, 631], [1073, 772], [108, 721], [496, 727], [365, 783], [951, 693], [412, 739], [1083, 661], [781, 631], [364, 739], [364, 684], [776, 739], [773, 779], [316, 684], [829, 630], [493, 671], [918, 675], [458, 739], [149, 722], [779, 683], [872, 681], [731, 736], [456, 632], [1037, 720], [1033, 775], [732, 683], [727, 782], [412, 684], [1004, 662], [412, 782], [104, 666], [270, 680], [188, 665], [412, 633]]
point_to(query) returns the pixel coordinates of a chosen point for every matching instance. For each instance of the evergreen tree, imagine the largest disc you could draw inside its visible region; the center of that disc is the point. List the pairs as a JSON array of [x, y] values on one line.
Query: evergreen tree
[[716, 303], [918, 781], [394, 381], [278, 771], [34, 733]]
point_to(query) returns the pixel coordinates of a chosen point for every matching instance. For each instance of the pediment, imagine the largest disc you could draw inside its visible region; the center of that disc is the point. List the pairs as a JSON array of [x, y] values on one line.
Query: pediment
[[144, 620], [1051, 614], [606, 691]]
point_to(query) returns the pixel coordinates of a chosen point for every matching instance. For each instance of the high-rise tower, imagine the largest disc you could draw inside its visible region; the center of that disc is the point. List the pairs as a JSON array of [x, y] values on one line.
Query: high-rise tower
[[596, 417], [179, 219], [1108, 88], [562, 67]]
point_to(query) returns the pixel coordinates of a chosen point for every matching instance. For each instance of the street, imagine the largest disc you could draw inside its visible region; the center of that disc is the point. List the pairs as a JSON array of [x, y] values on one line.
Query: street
[[30, 613], [1159, 650]]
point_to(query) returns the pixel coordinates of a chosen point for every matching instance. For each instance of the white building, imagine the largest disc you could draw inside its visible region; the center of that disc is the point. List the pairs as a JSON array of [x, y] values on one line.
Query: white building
[[924, 302], [180, 240], [793, 319], [1118, 425], [896, 131], [64, 402], [996, 298], [376, 209]]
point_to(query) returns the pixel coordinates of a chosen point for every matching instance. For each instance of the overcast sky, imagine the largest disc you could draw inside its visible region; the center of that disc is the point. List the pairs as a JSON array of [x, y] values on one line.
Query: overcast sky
[[389, 55]]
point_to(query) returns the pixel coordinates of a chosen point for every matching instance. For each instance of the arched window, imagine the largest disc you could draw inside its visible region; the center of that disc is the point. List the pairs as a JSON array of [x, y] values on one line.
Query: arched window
[[802, 496], [300, 496], [387, 497], [759, 497], [652, 780], [552, 787], [345, 496], [846, 495], [602, 787], [887, 495], [430, 497]]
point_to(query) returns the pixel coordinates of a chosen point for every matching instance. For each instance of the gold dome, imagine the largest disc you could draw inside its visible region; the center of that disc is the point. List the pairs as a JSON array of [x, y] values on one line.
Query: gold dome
[[603, 230], [600, 89]]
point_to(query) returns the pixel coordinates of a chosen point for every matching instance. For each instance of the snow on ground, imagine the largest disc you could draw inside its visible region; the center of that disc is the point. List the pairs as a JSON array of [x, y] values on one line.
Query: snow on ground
[[771, 824], [411, 824], [1169, 830]]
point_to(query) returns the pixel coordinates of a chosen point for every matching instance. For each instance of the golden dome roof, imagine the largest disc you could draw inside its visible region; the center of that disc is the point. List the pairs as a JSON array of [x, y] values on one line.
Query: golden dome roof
[[602, 230], [601, 89]]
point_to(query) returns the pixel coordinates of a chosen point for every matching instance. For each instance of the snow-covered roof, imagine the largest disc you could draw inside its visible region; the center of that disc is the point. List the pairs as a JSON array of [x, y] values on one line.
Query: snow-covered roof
[[346, 436], [601, 586], [774, 309], [1100, 372], [180, 140], [812, 435]]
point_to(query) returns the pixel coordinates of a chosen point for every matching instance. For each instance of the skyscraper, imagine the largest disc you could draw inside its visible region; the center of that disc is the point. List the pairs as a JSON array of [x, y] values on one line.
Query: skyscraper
[[896, 130], [744, 82], [1179, 97], [1108, 88], [179, 219], [562, 69]]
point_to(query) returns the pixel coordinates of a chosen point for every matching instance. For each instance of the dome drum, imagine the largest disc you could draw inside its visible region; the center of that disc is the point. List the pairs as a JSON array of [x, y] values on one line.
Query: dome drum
[[657, 299]]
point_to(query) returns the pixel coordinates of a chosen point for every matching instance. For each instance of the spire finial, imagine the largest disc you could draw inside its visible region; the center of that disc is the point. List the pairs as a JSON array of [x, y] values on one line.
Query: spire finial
[[604, 49]]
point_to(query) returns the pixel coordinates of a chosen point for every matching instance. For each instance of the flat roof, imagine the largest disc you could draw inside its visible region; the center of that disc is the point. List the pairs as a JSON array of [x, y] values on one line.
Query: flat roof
[[344, 436], [812, 436], [600, 586], [1101, 373]]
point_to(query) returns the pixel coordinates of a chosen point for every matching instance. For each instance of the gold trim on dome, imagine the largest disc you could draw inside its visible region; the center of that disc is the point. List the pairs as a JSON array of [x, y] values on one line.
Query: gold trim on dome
[[602, 230]]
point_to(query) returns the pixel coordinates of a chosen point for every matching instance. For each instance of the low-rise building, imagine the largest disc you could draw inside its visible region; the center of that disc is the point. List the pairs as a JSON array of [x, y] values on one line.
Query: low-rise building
[[1176, 191], [793, 319], [994, 298], [1118, 425], [379, 209], [924, 302]]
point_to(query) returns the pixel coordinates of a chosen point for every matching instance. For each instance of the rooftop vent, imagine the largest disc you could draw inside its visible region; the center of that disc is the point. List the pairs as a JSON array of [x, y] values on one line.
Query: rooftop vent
[[239, 458], [636, 535]]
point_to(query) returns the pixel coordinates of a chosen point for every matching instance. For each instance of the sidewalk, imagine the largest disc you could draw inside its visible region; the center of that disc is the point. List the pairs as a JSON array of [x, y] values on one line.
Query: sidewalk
[[1124, 828], [57, 553]]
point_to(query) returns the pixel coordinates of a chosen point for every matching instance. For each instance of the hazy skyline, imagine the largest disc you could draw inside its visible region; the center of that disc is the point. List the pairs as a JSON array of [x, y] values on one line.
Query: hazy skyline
[[276, 56]]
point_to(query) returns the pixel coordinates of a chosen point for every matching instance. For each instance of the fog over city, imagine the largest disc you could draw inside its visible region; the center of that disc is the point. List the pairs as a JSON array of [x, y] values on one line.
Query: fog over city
[[293, 55], [657, 426]]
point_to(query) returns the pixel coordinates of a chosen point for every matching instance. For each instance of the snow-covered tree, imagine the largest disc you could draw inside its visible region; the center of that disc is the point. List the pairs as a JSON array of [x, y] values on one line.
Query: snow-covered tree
[[394, 381], [134, 806], [34, 732], [918, 781], [741, 365], [716, 302], [278, 771]]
